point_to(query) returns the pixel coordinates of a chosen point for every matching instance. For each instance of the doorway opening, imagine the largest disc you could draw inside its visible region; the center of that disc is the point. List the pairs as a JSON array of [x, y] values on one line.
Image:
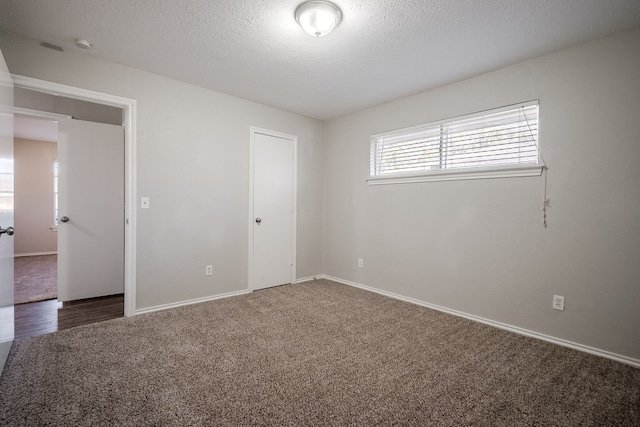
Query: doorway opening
[[35, 247], [89, 106]]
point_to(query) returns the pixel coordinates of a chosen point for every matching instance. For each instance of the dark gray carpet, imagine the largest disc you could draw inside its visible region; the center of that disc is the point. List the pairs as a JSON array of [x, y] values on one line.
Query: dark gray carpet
[[317, 353], [35, 278]]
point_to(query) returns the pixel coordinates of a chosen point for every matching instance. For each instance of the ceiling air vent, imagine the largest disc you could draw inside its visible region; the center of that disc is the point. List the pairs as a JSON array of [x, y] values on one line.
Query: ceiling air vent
[[51, 46]]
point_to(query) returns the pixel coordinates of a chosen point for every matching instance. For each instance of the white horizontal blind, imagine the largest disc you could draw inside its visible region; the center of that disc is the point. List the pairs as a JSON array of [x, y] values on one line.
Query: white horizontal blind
[[56, 171], [503, 137], [6, 185]]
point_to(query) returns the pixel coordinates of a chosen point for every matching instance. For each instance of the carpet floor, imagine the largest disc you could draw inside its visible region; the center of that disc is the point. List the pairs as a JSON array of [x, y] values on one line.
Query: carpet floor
[[35, 278], [316, 353]]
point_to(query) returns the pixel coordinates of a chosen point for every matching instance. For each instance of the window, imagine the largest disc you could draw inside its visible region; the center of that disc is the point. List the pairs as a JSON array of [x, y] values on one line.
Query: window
[[6, 185], [500, 142], [55, 193]]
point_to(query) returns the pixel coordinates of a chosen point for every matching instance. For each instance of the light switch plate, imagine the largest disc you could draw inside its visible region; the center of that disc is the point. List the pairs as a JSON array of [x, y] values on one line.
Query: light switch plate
[[144, 202]]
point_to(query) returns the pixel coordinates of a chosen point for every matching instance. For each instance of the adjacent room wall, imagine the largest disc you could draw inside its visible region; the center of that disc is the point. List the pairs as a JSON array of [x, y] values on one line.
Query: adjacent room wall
[[193, 164], [79, 110], [34, 200], [478, 246]]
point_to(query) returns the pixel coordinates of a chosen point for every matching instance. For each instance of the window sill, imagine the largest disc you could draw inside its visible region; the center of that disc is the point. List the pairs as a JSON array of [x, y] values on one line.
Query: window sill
[[456, 175]]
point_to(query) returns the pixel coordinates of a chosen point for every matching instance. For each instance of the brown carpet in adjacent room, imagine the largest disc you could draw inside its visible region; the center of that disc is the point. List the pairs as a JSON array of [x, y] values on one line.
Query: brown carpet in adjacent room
[[35, 278], [317, 353]]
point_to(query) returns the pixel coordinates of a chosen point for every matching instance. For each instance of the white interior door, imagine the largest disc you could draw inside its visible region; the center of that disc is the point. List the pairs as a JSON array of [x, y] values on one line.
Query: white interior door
[[91, 210], [273, 210], [6, 211]]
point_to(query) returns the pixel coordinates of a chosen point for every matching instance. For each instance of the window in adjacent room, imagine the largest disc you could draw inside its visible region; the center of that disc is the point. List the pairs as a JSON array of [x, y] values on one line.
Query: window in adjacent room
[[494, 143], [6, 185], [55, 193]]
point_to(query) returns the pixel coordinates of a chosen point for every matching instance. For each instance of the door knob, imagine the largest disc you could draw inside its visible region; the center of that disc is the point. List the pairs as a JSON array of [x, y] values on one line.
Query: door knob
[[64, 219], [258, 220], [8, 230]]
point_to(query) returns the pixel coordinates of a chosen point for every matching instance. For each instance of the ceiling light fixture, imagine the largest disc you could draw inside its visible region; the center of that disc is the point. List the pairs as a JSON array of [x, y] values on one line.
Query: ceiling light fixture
[[318, 18]]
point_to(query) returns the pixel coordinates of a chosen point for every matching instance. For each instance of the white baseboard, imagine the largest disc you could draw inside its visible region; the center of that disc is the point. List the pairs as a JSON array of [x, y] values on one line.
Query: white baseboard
[[210, 298], [307, 279], [35, 254], [576, 346], [192, 301]]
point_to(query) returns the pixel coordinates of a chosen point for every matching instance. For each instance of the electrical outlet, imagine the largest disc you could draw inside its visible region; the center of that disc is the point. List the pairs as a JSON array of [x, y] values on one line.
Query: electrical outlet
[[558, 302], [360, 263], [209, 270]]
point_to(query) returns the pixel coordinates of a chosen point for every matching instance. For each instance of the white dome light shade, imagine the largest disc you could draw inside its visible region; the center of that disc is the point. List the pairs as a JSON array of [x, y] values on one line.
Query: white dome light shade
[[318, 18]]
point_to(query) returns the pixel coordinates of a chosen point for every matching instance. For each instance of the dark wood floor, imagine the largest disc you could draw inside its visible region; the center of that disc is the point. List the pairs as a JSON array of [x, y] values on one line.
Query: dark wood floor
[[44, 317]]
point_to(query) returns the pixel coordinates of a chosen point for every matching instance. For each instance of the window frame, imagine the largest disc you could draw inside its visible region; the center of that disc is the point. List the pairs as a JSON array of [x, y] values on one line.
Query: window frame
[[462, 173]]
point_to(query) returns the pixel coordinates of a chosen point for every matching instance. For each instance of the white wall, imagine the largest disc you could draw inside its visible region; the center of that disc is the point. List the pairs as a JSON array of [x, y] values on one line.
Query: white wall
[[193, 163], [34, 200], [478, 246]]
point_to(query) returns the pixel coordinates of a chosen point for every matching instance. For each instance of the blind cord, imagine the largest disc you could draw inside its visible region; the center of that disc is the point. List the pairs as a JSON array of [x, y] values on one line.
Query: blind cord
[[546, 202]]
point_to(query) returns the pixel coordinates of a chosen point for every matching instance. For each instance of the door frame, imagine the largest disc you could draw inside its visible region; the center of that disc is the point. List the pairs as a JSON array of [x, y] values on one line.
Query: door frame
[[253, 130], [130, 135]]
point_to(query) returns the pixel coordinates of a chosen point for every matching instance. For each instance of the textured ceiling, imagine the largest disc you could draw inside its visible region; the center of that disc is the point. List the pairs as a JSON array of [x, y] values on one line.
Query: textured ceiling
[[382, 50]]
